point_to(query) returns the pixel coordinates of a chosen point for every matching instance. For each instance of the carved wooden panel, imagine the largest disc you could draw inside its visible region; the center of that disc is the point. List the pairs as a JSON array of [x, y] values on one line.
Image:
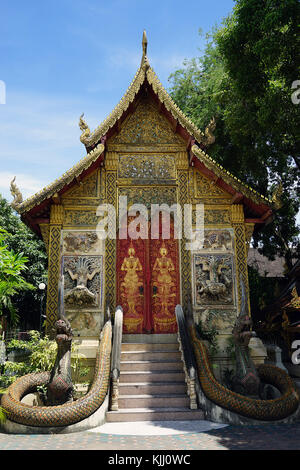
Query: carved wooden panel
[[87, 188], [148, 283], [150, 168], [205, 187], [148, 196], [131, 284], [165, 286], [146, 126]]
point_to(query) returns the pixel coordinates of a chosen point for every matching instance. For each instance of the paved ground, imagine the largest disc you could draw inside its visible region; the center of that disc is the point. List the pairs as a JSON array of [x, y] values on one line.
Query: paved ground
[[264, 437]]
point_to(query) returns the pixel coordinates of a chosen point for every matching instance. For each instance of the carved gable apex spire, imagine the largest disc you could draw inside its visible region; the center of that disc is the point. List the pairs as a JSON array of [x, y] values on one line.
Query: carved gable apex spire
[[145, 75], [144, 45]]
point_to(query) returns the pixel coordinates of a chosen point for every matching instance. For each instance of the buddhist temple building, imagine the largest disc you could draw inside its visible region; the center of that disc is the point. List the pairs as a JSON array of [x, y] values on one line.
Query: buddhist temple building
[[148, 151]]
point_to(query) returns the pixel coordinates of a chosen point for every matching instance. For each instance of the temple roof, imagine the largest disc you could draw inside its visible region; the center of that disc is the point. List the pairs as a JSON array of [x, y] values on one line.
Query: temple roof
[[144, 73], [198, 143]]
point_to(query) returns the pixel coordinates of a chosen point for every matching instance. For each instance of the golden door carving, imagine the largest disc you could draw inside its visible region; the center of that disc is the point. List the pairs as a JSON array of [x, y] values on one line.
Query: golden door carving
[[148, 284]]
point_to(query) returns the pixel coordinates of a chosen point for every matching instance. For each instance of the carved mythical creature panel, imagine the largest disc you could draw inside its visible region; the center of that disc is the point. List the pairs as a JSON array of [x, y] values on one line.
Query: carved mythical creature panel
[[215, 240], [213, 279], [221, 319], [81, 242], [83, 281], [84, 323]]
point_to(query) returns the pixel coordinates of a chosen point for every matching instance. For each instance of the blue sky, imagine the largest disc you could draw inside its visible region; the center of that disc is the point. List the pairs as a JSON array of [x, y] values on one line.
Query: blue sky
[[59, 59]]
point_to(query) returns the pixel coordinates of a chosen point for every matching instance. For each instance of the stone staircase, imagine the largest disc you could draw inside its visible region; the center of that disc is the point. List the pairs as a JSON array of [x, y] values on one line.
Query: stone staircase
[[152, 384]]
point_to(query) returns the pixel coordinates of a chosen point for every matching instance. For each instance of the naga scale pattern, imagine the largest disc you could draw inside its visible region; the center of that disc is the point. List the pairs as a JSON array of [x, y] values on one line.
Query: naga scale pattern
[[265, 410], [69, 413]]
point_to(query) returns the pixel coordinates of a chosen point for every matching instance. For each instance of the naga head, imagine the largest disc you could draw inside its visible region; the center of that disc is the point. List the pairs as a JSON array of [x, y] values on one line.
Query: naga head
[[242, 330], [63, 331]]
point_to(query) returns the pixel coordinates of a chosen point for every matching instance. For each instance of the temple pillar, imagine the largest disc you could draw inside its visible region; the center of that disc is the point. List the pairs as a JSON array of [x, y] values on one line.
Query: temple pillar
[[56, 221], [110, 244], [237, 221], [185, 255]]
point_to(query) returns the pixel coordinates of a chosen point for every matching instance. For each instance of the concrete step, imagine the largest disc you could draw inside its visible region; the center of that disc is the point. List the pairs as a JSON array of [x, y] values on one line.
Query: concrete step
[[150, 401], [149, 355], [154, 414], [152, 338], [151, 365], [154, 388], [150, 347], [151, 376]]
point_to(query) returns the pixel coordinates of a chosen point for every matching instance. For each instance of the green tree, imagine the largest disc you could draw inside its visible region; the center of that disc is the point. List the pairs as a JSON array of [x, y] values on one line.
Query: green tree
[[19, 238], [244, 78], [12, 282], [259, 44]]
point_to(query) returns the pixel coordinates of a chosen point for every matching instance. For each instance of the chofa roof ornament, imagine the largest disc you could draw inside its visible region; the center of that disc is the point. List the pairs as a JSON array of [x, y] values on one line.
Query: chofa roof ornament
[[144, 46], [16, 193], [276, 196], [85, 130], [210, 138]]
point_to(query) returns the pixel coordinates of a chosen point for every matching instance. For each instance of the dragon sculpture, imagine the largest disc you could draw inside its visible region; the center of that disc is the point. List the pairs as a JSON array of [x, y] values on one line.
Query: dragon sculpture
[[247, 379], [63, 411]]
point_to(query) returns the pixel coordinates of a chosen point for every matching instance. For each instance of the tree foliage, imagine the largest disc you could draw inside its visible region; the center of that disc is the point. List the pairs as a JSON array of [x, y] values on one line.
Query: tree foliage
[[20, 239], [244, 79], [12, 266]]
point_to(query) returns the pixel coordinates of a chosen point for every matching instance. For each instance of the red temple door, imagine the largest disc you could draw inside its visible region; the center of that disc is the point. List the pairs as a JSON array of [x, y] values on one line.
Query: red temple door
[[148, 283]]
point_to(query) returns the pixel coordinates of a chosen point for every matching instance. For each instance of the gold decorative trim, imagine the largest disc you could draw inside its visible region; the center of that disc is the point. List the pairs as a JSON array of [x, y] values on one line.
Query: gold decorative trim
[[237, 213], [56, 214], [53, 278], [230, 179], [185, 254], [241, 260]]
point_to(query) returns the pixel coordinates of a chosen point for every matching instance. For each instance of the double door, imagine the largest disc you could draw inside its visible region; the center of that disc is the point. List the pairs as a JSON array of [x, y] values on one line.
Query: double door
[[148, 283]]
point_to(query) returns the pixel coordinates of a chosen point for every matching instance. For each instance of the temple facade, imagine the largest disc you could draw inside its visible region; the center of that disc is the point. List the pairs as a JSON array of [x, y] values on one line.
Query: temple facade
[[146, 153]]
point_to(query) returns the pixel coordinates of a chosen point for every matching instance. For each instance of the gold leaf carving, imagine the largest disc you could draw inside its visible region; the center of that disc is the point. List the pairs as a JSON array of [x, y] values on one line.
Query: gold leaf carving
[[86, 188], [146, 126], [206, 187], [152, 167]]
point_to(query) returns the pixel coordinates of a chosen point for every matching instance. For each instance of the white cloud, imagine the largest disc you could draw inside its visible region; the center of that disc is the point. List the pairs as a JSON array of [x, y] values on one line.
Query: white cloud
[[28, 185]]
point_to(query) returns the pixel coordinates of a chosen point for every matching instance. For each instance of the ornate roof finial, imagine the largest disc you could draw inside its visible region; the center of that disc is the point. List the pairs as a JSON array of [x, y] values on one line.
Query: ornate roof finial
[[85, 130], [276, 196], [16, 193], [210, 138], [144, 45]]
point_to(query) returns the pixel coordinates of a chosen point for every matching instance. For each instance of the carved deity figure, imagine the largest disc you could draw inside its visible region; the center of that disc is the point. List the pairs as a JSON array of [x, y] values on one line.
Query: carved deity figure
[[213, 279], [131, 283], [81, 294], [164, 266]]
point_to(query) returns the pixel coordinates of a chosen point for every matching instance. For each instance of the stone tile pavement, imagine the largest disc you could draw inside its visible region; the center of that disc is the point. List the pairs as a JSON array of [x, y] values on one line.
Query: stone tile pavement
[[264, 437]]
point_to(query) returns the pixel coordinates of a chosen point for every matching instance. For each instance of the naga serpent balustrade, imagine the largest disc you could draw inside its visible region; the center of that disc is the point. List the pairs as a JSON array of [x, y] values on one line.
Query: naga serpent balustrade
[[266, 410], [68, 413]]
